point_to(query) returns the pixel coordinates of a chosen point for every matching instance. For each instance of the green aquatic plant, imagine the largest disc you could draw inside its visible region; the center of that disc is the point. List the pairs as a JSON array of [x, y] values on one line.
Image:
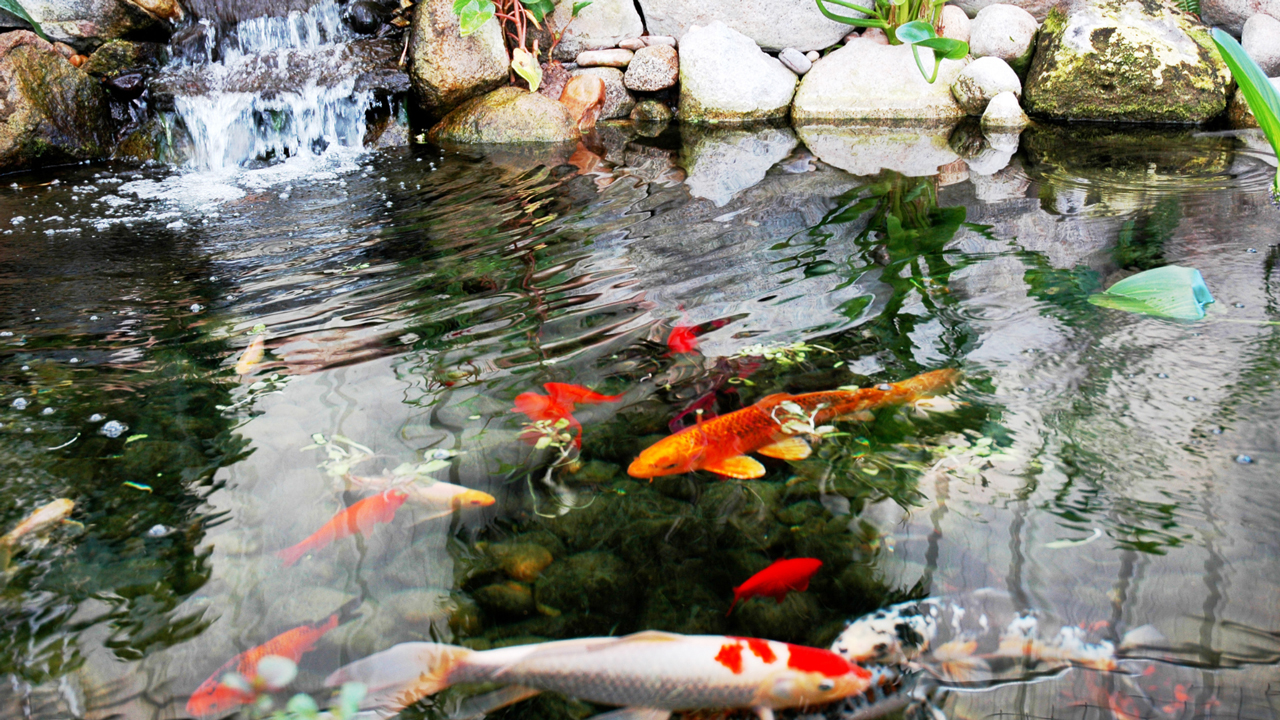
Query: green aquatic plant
[[906, 22], [1258, 92], [15, 8], [1172, 291]]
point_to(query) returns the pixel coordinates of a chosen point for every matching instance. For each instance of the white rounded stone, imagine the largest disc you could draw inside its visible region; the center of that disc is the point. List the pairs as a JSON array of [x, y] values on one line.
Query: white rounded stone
[[982, 80]]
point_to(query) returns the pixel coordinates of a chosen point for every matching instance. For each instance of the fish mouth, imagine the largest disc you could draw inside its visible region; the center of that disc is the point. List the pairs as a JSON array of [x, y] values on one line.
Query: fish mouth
[[638, 469]]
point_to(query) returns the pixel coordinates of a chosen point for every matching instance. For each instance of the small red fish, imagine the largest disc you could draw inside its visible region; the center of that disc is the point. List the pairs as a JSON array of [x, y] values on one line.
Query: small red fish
[[360, 517], [683, 339], [214, 697], [775, 581], [558, 404]]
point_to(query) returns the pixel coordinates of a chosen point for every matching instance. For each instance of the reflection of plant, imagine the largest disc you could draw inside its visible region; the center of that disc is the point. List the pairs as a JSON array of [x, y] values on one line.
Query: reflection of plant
[[906, 22], [522, 15], [274, 673], [1258, 92]]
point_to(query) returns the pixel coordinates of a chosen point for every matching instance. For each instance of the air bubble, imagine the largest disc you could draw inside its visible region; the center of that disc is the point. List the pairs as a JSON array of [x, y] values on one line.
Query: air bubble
[[1244, 459], [20, 404], [73, 361], [1162, 376], [1191, 398], [97, 417], [197, 307], [1252, 250], [47, 411], [113, 428], [158, 531], [1239, 305], [93, 317]]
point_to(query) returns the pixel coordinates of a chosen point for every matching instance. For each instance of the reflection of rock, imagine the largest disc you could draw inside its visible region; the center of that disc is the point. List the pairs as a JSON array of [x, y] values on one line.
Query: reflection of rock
[[720, 164], [507, 115], [1126, 158], [447, 69], [873, 83], [1113, 60], [867, 151], [54, 113], [724, 77], [771, 24]]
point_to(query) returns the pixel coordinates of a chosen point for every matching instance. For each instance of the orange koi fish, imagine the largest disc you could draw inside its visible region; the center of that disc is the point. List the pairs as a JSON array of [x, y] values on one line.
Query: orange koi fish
[[775, 581], [44, 516], [652, 673], [214, 697], [252, 355], [721, 444], [360, 517], [558, 404]]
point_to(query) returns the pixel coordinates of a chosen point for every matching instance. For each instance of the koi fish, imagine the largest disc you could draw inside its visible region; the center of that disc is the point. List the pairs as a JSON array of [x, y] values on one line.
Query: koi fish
[[775, 581], [442, 497], [683, 339], [252, 355], [558, 404], [44, 516], [721, 445], [214, 697], [360, 517], [650, 673]]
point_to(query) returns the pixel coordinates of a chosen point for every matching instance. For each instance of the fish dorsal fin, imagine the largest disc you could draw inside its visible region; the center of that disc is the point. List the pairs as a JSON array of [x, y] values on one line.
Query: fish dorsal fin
[[740, 467], [644, 636], [788, 448]]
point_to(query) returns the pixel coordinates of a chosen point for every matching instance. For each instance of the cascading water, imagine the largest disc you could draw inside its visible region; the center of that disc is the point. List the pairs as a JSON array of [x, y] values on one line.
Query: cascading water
[[269, 88]]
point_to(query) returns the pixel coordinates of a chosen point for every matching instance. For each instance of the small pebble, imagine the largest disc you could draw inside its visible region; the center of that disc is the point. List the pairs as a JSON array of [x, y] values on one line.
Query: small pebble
[[26, 368], [158, 531], [97, 417], [813, 56], [795, 61], [20, 404], [93, 317], [1252, 250], [1244, 459], [73, 361], [1216, 431], [1191, 398], [1239, 305], [6, 333], [1162, 376], [113, 428], [884, 387], [197, 308], [47, 411]]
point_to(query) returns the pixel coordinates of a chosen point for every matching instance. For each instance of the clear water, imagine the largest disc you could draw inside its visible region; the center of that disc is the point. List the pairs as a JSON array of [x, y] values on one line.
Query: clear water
[[408, 297]]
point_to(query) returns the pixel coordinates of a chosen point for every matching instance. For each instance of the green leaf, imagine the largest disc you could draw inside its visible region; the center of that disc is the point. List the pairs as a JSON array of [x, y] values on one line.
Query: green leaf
[[946, 48], [1258, 91], [13, 7], [539, 8], [473, 14], [915, 31], [579, 7], [1174, 292], [526, 66]]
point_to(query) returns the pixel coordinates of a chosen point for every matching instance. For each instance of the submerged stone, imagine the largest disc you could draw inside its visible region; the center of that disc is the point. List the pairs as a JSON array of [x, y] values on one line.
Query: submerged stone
[[521, 561], [594, 582], [507, 115], [1125, 60], [506, 598]]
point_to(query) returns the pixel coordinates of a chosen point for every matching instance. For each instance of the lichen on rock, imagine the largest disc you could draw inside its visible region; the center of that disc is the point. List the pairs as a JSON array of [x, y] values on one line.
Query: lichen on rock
[[507, 115], [1126, 60]]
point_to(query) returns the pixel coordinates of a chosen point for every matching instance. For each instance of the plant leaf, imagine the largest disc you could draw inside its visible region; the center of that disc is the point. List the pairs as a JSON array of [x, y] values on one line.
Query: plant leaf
[[526, 66], [539, 8], [1258, 91], [14, 8], [473, 15], [1172, 292], [947, 48], [915, 31], [579, 7]]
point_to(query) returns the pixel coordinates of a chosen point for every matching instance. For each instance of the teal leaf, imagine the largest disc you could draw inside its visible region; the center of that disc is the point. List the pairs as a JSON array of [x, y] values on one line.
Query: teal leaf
[[1174, 292], [13, 7], [473, 14], [915, 31]]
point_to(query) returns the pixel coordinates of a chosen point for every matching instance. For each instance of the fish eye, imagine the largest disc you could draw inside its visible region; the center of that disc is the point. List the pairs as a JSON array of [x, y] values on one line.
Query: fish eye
[[827, 685]]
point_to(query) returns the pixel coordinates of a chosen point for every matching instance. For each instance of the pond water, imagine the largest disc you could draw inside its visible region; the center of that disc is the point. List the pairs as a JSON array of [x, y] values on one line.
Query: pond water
[[1102, 466]]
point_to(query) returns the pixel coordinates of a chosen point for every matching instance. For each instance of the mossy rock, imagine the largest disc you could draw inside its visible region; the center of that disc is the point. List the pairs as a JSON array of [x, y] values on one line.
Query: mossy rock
[[686, 605], [521, 561], [790, 621], [506, 116], [510, 598], [741, 513], [594, 582], [1126, 61], [592, 472], [117, 57]]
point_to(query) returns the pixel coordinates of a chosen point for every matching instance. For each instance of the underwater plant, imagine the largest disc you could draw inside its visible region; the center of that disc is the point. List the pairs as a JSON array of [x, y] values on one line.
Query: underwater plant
[[906, 22], [1258, 92]]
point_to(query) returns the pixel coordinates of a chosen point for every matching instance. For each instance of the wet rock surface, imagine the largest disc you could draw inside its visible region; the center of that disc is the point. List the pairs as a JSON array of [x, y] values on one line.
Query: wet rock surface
[[84, 24], [725, 77], [447, 69], [507, 116]]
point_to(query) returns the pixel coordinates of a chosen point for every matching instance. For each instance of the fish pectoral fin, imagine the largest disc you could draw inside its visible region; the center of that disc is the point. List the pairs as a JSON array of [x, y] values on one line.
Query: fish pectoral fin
[[633, 713], [740, 467], [763, 712], [789, 448], [480, 705]]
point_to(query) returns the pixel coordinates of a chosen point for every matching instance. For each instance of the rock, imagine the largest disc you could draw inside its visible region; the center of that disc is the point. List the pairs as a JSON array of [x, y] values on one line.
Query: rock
[[584, 98], [1238, 113], [812, 56], [506, 115], [772, 24], [365, 17], [120, 56], [652, 69], [616, 57], [617, 101], [521, 561], [84, 24], [446, 69], [875, 83], [725, 77], [651, 117], [659, 40], [509, 598], [554, 79], [598, 472], [607, 20], [632, 44], [982, 80], [1231, 15], [795, 61], [1261, 40], [1006, 32], [723, 163], [64, 50], [1039, 9], [867, 151], [567, 49], [52, 112], [875, 35], [590, 582], [1004, 113], [955, 24], [1111, 60], [126, 87]]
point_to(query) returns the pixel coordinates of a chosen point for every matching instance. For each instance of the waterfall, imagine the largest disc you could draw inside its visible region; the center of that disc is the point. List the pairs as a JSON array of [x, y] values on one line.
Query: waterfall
[[269, 88]]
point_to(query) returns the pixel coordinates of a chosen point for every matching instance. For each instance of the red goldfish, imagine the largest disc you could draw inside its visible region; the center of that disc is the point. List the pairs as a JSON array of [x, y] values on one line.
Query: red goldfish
[[683, 339], [360, 517], [214, 697], [558, 404], [658, 672], [775, 581], [721, 444]]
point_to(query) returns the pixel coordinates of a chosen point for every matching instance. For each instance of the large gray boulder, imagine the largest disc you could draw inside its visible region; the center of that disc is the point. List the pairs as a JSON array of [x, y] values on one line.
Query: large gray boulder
[[508, 115], [603, 21], [1039, 9], [725, 77], [1126, 60], [878, 84], [982, 80], [447, 69], [772, 24], [1261, 40], [1231, 15], [50, 112], [1004, 31], [85, 24]]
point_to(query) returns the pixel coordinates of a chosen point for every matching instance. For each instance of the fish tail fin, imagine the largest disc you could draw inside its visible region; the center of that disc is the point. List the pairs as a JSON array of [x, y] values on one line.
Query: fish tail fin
[[732, 605], [291, 555], [397, 677]]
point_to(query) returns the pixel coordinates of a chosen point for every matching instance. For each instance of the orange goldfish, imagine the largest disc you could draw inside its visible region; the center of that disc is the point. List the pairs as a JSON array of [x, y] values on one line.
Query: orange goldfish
[[43, 517], [214, 697], [775, 581], [441, 498], [360, 517], [721, 444], [252, 355], [558, 404]]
